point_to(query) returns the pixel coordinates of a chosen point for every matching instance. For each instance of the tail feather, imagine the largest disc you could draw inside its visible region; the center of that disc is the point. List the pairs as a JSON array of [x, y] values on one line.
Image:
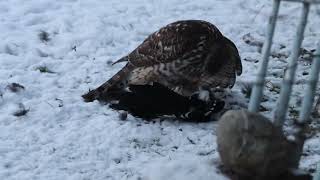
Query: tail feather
[[113, 83], [124, 59]]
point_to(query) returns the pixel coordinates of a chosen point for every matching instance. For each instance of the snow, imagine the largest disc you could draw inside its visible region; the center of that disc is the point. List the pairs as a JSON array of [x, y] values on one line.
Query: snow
[[61, 137]]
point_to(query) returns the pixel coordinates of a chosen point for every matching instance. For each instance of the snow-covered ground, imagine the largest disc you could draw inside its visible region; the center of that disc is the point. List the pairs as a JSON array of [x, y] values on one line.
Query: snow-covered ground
[[61, 137]]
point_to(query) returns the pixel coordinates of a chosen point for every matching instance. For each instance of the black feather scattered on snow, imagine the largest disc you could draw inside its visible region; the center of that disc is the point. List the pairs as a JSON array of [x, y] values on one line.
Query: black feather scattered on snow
[[15, 87], [44, 36], [21, 110]]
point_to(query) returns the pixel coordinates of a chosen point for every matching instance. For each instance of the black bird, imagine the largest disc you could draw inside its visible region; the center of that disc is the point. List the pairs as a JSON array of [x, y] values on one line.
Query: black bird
[[151, 101]]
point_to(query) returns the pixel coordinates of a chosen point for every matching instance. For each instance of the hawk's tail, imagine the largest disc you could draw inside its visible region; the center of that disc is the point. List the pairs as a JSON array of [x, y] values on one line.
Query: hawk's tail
[[110, 87]]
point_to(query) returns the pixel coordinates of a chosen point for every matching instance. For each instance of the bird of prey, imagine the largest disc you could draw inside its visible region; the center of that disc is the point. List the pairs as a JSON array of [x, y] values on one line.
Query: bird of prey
[[188, 56]]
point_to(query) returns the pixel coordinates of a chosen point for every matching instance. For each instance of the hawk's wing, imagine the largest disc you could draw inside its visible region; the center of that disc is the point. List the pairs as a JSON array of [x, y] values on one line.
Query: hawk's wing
[[180, 40], [187, 44]]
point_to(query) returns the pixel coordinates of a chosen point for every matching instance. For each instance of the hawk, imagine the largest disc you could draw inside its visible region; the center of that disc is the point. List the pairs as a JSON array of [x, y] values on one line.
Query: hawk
[[188, 56]]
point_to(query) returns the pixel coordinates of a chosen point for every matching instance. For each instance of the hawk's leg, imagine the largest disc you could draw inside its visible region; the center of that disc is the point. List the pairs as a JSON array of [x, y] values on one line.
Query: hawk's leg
[[203, 101], [207, 95], [204, 94]]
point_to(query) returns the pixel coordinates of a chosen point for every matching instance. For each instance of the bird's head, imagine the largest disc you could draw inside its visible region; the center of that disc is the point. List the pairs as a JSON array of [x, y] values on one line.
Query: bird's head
[[221, 51], [232, 53]]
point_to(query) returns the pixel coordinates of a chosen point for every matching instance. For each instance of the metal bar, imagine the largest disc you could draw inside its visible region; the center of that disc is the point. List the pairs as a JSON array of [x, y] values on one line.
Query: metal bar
[[257, 91], [317, 174], [288, 80], [305, 1], [308, 99]]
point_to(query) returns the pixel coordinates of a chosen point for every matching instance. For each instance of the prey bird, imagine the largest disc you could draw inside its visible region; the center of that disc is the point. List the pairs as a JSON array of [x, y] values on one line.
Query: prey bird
[[152, 101]]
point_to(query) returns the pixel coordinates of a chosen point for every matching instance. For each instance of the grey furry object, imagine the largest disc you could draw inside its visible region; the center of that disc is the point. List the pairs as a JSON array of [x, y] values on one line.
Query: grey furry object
[[251, 146]]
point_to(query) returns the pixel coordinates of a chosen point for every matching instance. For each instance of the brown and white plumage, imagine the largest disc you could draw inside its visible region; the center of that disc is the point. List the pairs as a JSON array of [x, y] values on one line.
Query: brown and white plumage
[[185, 56]]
